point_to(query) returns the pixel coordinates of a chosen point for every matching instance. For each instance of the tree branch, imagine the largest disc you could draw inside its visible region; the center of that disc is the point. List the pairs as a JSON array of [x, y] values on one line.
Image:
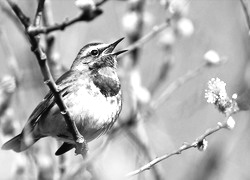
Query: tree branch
[[38, 16], [147, 37], [86, 15], [246, 12], [185, 146], [45, 30], [48, 80], [176, 84]]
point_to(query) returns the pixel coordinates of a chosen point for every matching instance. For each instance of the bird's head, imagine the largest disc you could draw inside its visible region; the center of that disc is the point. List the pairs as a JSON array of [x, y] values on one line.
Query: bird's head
[[94, 56]]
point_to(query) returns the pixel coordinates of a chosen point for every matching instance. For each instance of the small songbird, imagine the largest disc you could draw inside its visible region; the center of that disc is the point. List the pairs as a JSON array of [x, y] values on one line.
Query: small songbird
[[92, 92]]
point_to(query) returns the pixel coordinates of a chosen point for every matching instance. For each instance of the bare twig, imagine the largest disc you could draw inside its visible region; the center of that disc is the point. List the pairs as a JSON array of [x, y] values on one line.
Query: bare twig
[[48, 80], [163, 72], [86, 15], [148, 36], [184, 147], [175, 85], [246, 12], [38, 16], [101, 2], [146, 149], [62, 26]]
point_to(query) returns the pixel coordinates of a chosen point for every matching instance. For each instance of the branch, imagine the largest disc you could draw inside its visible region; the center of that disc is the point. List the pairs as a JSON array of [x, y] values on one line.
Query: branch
[[185, 146], [246, 12], [146, 150], [48, 80], [216, 94], [38, 16], [147, 37], [183, 79], [87, 14], [45, 30], [176, 84]]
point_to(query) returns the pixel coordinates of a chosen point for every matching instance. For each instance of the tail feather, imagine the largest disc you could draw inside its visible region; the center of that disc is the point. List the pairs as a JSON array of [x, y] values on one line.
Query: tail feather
[[18, 143], [64, 148]]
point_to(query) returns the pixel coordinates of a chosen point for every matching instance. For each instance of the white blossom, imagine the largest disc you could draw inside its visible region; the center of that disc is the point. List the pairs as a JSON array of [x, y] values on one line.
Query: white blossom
[[230, 123], [167, 38], [85, 5], [212, 57], [185, 27], [131, 23], [179, 6], [216, 91]]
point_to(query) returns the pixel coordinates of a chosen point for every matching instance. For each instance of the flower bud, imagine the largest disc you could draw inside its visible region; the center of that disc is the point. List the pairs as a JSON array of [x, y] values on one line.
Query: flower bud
[[167, 38], [85, 5], [185, 27], [202, 145], [230, 123], [212, 57], [179, 6]]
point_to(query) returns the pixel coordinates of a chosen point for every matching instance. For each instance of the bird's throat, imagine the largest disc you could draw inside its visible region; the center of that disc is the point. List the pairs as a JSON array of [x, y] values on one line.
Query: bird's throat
[[107, 81]]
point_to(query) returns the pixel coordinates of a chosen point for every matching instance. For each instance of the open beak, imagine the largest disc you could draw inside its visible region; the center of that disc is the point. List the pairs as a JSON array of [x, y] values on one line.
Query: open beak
[[109, 49]]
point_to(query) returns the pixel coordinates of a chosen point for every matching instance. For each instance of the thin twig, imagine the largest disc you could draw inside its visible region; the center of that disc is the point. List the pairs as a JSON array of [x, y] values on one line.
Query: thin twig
[[101, 2], [246, 12], [38, 16], [175, 85], [62, 26], [146, 149], [48, 79], [147, 37], [86, 15], [184, 147]]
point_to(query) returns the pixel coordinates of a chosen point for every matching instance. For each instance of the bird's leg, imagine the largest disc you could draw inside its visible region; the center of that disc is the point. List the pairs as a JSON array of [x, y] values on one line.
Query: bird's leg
[[81, 148]]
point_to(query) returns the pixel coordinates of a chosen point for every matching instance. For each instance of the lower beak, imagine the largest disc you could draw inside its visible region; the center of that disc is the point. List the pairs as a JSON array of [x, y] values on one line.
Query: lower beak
[[109, 49], [119, 52]]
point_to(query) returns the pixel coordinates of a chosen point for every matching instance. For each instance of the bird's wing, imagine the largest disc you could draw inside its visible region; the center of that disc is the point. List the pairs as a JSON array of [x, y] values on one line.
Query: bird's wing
[[63, 83]]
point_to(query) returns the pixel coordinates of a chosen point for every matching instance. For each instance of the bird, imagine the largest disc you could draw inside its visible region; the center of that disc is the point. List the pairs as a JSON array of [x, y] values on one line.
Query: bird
[[90, 89]]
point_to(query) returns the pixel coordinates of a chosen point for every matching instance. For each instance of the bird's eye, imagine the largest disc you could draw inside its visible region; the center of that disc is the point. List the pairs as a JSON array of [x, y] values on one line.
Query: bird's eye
[[94, 52]]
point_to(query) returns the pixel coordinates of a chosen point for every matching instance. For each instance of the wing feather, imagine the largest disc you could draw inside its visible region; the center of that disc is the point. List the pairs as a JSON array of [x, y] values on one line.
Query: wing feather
[[65, 81]]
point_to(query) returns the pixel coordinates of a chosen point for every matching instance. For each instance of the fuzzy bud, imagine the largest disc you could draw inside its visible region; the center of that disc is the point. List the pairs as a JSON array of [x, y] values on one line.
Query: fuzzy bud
[[230, 123], [167, 38], [202, 145], [212, 57], [85, 5], [141, 93], [179, 7], [185, 27], [131, 23]]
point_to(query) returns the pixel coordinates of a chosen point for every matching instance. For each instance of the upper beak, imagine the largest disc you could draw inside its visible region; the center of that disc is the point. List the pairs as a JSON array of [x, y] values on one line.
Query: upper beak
[[109, 49]]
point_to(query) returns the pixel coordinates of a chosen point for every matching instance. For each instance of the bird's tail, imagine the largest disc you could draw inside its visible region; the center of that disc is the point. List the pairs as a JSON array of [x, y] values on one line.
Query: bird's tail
[[19, 143]]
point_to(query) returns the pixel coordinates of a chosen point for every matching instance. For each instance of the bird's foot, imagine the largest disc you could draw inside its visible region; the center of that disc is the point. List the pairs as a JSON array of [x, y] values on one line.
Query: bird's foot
[[80, 140], [81, 147]]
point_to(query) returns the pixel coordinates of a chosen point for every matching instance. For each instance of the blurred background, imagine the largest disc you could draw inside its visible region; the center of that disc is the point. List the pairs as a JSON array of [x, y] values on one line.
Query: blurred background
[[194, 27]]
